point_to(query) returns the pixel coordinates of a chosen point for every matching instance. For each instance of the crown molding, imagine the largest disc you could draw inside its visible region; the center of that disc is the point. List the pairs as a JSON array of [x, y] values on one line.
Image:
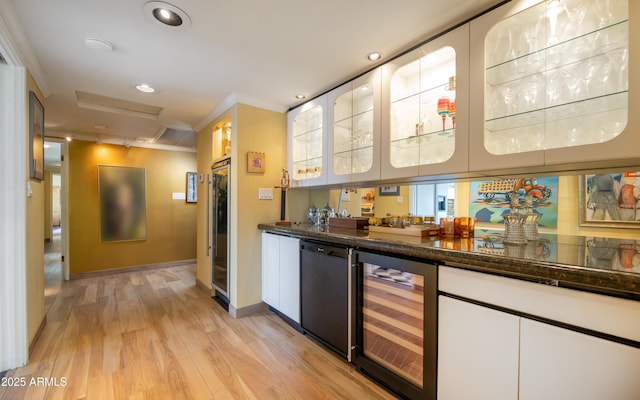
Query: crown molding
[[16, 48], [233, 99]]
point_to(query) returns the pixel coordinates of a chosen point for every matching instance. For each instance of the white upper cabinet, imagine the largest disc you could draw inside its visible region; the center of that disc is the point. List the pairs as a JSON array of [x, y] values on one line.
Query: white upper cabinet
[[354, 138], [551, 83], [307, 143], [425, 103]]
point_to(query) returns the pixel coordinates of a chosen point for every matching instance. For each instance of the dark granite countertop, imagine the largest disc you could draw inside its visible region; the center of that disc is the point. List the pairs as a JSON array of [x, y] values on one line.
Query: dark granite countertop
[[601, 265]]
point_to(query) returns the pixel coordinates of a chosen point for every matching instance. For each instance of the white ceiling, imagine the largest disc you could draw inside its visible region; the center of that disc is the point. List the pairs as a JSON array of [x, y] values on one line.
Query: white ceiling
[[260, 52]]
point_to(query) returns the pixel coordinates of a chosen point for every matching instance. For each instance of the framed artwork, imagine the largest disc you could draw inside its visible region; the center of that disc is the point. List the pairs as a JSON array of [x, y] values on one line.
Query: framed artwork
[[255, 161], [489, 201], [389, 190], [609, 200], [192, 187], [36, 138], [611, 253], [123, 198]]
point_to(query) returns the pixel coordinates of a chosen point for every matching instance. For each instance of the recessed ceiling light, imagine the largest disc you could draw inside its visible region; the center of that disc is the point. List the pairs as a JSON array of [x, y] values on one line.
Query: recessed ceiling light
[[143, 87], [301, 97], [98, 44], [374, 56], [100, 127], [166, 14], [69, 138]]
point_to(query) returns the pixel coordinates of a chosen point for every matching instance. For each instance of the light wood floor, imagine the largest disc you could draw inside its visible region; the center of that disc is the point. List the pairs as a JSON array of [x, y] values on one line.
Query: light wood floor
[[154, 335]]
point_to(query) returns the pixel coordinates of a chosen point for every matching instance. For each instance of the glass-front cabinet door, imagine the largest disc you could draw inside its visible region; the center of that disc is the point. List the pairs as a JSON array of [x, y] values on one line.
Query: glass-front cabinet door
[[354, 135], [425, 103], [551, 84], [307, 143]]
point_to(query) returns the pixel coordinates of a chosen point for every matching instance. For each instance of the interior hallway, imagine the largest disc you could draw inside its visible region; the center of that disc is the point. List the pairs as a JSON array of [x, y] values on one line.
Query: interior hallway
[[52, 267], [154, 335]]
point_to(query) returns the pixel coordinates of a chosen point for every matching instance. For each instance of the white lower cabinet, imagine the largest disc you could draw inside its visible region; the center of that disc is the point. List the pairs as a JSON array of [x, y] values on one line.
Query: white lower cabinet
[[281, 274], [560, 364], [477, 352], [488, 354]]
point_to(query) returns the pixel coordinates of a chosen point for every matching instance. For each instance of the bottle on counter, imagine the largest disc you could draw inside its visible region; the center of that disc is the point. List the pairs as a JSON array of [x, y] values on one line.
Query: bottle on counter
[[514, 223], [531, 220]]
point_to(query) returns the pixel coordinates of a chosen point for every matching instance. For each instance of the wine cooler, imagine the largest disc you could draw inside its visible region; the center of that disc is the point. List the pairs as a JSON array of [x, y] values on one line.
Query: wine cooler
[[395, 323]]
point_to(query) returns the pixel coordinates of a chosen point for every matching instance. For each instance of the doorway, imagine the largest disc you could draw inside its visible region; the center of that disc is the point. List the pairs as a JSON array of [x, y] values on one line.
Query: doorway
[[55, 229]]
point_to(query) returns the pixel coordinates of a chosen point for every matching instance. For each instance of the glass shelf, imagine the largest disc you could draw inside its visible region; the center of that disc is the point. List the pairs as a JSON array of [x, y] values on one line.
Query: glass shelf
[[432, 137], [587, 122], [611, 102], [601, 42], [439, 88], [351, 151], [342, 121], [311, 132]]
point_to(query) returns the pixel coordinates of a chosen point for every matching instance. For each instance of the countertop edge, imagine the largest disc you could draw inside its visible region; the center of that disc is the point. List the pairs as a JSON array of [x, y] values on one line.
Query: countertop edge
[[607, 282]]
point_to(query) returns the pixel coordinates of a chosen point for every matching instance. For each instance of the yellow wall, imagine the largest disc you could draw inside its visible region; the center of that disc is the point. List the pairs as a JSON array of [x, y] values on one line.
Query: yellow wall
[[205, 156], [264, 131], [390, 205], [171, 224], [35, 236], [253, 129]]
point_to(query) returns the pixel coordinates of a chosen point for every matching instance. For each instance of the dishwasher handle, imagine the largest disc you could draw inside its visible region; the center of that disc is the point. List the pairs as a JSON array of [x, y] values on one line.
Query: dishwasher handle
[[324, 249]]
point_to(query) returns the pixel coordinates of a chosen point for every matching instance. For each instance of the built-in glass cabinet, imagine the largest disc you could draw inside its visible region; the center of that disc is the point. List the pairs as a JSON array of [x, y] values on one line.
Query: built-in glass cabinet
[[307, 143], [426, 107], [354, 141], [557, 75], [555, 85], [423, 109]]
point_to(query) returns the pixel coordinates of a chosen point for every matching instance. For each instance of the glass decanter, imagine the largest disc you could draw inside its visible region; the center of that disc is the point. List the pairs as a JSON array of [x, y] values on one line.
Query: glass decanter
[[514, 223], [531, 220]]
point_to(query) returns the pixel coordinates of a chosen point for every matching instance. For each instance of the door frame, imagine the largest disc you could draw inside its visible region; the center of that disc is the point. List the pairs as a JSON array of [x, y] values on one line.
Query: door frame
[[13, 232]]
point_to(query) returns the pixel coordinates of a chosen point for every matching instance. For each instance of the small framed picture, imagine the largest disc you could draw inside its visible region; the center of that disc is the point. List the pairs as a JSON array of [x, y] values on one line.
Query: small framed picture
[[255, 162], [389, 190], [192, 187], [36, 138]]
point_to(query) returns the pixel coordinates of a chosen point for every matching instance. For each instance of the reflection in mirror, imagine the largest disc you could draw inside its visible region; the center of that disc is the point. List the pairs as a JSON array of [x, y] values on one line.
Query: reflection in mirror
[[434, 199]]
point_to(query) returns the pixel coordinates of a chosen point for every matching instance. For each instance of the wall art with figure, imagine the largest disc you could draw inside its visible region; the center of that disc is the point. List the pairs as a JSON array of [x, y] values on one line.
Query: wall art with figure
[[610, 200], [489, 201], [122, 203]]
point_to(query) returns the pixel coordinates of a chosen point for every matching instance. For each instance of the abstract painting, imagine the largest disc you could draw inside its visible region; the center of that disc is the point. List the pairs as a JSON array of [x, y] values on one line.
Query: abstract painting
[[489, 201], [122, 203]]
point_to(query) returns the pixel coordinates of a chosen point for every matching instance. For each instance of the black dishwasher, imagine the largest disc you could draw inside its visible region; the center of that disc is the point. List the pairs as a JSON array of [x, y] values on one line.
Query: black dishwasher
[[325, 295]]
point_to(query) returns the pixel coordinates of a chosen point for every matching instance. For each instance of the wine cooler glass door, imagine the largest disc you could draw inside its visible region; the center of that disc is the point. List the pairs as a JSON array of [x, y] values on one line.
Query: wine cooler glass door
[[220, 227], [396, 323]]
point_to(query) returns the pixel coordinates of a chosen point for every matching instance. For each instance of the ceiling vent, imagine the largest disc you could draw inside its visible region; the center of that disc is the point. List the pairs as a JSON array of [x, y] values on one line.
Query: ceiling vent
[[176, 137], [97, 102]]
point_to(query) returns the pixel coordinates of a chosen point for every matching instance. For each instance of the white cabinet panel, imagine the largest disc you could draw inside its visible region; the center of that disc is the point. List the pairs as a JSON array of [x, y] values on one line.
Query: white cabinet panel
[[290, 277], [281, 274], [271, 269], [477, 352], [559, 364]]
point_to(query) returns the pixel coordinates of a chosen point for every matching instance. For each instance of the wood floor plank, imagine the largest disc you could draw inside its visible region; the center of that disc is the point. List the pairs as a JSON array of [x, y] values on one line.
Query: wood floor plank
[[154, 335]]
